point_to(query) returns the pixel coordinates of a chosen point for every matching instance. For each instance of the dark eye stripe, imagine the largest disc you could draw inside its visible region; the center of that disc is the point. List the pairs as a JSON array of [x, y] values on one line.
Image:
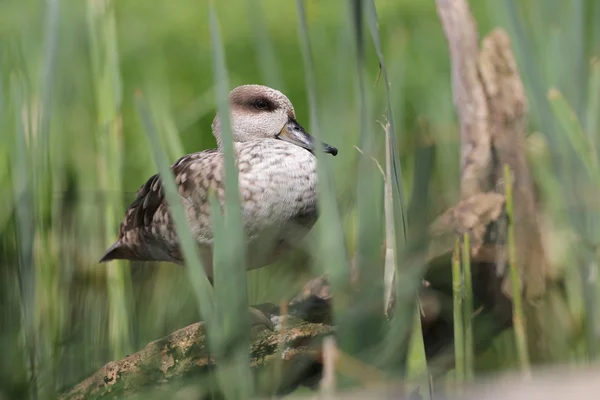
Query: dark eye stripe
[[263, 104], [260, 104]]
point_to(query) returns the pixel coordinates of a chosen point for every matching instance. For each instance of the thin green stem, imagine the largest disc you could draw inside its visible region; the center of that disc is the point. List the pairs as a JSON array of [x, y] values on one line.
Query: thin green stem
[[468, 308], [107, 87], [459, 330], [515, 277]]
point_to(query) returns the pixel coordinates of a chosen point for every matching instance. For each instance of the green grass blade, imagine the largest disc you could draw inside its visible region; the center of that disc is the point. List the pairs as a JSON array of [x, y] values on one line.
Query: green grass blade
[[579, 65], [459, 331], [593, 16], [22, 191], [394, 175], [6, 197], [583, 144], [42, 173], [592, 121], [47, 79], [331, 233], [416, 365], [515, 278], [391, 255], [370, 218], [397, 181], [331, 249], [199, 281], [230, 253], [592, 285], [309, 73], [572, 128], [468, 309], [108, 90], [47, 84]]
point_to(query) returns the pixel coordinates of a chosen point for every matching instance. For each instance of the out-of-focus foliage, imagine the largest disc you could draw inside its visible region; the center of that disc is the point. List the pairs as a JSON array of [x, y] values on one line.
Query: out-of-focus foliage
[[72, 146]]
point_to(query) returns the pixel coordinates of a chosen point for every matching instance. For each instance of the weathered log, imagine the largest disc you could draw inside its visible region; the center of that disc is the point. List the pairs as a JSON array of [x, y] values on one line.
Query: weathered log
[[186, 352]]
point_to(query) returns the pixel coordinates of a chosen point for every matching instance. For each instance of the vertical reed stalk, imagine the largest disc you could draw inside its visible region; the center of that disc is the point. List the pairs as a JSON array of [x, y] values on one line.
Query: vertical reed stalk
[[42, 270], [592, 125], [107, 87], [24, 213], [369, 195], [396, 225], [331, 248], [459, 330], [231, 292], [583, 143], [198, 279], [515, 277], [390, 238], [416, 368], [468, 308]]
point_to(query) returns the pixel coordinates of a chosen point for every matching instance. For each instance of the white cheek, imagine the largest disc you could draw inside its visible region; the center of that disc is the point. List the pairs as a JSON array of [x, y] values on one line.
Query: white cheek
[[256, 126], [275, 127]]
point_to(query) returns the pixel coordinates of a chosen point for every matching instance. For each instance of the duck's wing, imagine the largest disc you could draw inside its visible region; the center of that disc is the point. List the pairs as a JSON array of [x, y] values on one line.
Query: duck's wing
[[147, 232]]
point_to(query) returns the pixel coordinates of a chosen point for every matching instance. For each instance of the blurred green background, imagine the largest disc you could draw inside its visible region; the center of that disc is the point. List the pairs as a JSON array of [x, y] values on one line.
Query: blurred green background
[[73, 153]]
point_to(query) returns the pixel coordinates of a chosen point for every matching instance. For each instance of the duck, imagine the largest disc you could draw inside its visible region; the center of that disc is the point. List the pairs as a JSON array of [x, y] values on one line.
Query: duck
[[277, 179]]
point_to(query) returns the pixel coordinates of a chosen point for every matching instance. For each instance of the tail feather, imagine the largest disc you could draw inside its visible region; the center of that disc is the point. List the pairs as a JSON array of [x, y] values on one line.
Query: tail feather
[[138, 252], [114, 252]]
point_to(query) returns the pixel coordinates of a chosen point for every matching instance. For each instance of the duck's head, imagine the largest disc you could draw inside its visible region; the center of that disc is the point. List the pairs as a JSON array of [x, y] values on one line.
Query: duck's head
[[260, 112]]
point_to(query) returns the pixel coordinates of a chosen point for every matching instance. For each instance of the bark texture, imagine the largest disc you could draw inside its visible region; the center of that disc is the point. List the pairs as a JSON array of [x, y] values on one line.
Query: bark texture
[[491, 104]]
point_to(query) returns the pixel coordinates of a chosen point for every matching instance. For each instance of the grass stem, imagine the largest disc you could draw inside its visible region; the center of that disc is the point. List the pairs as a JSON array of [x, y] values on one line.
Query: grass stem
[[468, 308], [459, 329], [515, 277]]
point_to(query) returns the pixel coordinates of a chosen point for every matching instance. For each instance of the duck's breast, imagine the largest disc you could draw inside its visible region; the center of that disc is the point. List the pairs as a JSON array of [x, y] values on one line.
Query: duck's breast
[[278, 185]]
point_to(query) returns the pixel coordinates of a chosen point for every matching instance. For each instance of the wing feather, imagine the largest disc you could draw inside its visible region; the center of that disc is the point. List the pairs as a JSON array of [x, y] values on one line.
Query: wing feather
[[148, 222]]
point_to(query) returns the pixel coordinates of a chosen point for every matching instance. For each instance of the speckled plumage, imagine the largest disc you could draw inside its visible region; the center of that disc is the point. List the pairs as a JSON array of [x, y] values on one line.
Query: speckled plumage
[[277, 182]]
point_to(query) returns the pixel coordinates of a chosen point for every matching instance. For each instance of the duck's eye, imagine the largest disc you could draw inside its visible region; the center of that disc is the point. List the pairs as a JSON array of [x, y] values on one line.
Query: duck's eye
[[260, 104]]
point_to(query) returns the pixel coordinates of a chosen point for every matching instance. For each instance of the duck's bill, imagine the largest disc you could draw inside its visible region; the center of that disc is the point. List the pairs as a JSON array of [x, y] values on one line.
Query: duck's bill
[[294, 133]]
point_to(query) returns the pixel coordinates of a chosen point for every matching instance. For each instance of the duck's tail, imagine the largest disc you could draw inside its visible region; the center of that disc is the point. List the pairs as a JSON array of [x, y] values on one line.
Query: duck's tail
[[115, 252]]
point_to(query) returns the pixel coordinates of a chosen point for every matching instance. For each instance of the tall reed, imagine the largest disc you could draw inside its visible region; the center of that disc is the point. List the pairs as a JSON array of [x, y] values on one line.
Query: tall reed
[[108, 90]]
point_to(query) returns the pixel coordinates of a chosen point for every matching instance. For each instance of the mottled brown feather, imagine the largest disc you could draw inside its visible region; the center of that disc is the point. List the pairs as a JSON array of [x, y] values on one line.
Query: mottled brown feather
[[147, 220]]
